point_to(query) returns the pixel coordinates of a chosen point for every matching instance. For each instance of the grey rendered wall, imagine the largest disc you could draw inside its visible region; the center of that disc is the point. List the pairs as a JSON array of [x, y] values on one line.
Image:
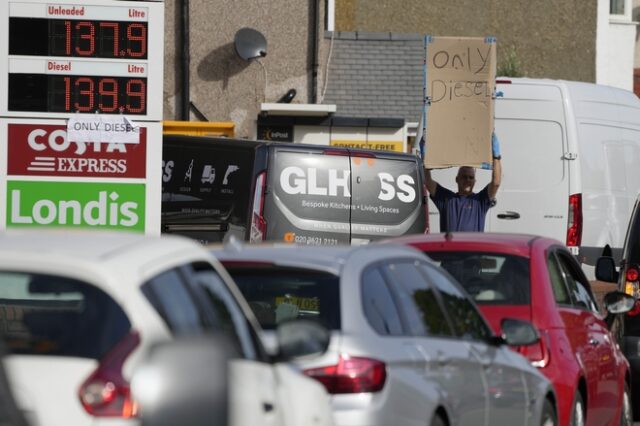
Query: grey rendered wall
[[547, 38], [223, 86]]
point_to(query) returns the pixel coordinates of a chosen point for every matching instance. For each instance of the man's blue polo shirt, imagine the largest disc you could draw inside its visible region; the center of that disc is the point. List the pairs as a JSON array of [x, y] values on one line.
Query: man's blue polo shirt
[[460, 212]]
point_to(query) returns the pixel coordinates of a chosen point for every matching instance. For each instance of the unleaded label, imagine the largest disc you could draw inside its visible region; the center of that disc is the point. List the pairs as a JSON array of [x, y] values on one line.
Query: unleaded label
[[76, 204]]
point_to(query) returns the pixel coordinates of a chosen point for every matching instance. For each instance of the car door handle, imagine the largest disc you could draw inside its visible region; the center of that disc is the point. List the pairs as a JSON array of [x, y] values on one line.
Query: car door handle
[[594, 342], [509, 215]]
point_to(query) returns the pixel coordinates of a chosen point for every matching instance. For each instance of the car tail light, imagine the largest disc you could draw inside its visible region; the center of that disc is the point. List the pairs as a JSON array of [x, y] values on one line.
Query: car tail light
[[632, 287], [538, 353], [106, 393], [574, 225], [258, 222], [503, 81], [351, 375]]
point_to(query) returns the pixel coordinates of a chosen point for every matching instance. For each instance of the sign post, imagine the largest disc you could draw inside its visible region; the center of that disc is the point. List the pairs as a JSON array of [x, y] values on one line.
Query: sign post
[[80, 114]]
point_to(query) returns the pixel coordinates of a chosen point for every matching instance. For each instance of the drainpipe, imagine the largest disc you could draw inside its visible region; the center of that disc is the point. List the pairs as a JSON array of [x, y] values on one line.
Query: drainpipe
[[314, 50], [186, 59]]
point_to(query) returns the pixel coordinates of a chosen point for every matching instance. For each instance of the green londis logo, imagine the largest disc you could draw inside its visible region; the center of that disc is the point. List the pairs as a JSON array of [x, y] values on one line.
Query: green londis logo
[[76, 204]]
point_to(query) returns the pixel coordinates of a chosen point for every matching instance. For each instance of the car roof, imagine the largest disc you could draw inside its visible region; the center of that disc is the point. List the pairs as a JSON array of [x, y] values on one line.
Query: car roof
[[328, 258], [91, 255], [92, 246], [513, 243]]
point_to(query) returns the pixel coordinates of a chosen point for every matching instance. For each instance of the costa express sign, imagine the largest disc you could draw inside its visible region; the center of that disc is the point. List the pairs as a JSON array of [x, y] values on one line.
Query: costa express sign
[[44, 150], [76, 204]]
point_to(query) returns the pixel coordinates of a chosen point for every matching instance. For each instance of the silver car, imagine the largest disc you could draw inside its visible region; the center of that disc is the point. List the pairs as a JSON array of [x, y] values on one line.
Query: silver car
[[408, 345]]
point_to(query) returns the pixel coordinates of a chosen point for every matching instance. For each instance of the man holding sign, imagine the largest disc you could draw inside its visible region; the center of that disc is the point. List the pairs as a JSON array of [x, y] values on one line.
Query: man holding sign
[[460, 85], [466, 210]]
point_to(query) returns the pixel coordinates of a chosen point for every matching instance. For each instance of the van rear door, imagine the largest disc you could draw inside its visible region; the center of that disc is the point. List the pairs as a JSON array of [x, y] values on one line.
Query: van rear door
[[205, 186], [387, 196], [308, 197], [534, 194]]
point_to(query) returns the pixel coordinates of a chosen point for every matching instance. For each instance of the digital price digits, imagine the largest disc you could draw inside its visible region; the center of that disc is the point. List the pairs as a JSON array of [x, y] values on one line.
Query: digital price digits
[[73, 38], [73, 93]]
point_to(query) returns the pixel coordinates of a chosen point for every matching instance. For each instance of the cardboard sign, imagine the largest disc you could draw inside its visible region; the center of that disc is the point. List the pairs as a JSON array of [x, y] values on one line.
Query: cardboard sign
[[461, 75]]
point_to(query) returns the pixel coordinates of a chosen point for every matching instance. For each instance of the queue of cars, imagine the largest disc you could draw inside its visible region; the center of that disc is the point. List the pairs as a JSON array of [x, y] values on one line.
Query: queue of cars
[[485, 329], [537, 279], [408, 346], [79, 310]]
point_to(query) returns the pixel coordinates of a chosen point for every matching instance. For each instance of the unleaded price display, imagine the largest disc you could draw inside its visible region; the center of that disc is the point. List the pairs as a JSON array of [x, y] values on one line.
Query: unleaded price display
[[71, 57]]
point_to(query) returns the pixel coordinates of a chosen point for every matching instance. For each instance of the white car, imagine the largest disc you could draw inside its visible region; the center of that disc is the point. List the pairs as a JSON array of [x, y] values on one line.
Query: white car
[[79, 309]]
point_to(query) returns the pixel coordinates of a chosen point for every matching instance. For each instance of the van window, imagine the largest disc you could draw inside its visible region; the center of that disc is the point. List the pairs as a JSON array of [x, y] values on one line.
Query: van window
[[54, 315]]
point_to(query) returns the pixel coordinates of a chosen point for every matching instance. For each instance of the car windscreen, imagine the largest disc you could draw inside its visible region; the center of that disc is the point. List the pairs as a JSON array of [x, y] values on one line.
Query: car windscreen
[[58, 316], [490, 278], [277, 294]]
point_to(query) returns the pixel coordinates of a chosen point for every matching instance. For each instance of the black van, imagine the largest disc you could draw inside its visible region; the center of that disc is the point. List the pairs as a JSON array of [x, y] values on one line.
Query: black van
[[289, 192], [628, 279]]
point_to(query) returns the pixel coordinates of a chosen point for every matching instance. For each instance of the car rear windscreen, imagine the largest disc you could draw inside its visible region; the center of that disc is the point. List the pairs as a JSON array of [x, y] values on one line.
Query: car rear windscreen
[[278, 294], [53, 315], [494, 279]]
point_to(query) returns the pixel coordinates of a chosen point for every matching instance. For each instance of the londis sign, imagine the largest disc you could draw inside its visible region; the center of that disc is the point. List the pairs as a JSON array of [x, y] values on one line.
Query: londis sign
[[79, 204], [44, 150]]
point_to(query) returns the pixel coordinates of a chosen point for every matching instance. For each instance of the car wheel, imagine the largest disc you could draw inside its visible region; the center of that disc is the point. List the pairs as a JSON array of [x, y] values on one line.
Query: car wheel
[[626, 416], [549, 417], [578, 413], [438, 421]]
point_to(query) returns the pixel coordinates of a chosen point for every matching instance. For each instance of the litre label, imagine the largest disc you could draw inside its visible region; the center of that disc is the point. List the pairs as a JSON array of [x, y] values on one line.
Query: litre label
[[45, 150], [76, 204]]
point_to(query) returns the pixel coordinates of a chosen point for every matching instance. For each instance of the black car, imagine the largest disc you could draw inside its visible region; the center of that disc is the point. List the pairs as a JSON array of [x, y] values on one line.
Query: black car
[[627, 329]]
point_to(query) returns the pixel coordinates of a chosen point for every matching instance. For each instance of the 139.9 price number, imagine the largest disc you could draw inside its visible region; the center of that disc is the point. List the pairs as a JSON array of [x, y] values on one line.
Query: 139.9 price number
[[73, 93]]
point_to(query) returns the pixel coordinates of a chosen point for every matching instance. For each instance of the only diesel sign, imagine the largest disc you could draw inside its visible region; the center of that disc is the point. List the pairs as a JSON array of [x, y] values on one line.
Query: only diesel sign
[[82, 204]]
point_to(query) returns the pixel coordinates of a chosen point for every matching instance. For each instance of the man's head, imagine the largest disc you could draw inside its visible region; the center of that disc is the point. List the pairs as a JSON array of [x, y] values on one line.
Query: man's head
[[466, 179]]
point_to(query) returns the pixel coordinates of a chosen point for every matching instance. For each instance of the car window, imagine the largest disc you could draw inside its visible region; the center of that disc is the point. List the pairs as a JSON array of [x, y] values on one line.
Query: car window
[[229, 316], [170, 296], [54, 315], [378, 304], [277, 294], [581, 295], [490, 278], [467, 322], [417, 300], [558, 284]]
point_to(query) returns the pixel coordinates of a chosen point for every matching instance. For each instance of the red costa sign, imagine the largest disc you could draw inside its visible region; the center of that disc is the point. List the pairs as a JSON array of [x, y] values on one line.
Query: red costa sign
[[43, 150]]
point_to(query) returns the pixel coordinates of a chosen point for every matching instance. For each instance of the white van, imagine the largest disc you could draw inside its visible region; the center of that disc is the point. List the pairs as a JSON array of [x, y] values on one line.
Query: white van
[[570, 156]]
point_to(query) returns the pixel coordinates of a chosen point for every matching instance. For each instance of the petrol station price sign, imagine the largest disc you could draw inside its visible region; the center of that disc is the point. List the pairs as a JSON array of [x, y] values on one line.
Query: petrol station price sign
[[69, 57]]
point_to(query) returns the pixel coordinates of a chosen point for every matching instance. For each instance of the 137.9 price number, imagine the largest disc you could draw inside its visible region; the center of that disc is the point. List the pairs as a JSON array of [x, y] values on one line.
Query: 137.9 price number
[[73, 93]]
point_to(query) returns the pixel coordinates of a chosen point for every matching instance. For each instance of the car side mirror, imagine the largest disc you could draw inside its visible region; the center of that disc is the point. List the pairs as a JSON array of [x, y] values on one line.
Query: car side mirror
[[606, 269], [300, 338], [184, 382], [617, 302], [517, 332]]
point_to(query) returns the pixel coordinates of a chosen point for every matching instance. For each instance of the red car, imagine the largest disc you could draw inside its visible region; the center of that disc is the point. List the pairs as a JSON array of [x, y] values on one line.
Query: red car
[[539, 280]]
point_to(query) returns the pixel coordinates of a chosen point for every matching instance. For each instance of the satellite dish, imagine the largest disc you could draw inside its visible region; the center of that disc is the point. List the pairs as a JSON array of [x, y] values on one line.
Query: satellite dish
[[250, 44]]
